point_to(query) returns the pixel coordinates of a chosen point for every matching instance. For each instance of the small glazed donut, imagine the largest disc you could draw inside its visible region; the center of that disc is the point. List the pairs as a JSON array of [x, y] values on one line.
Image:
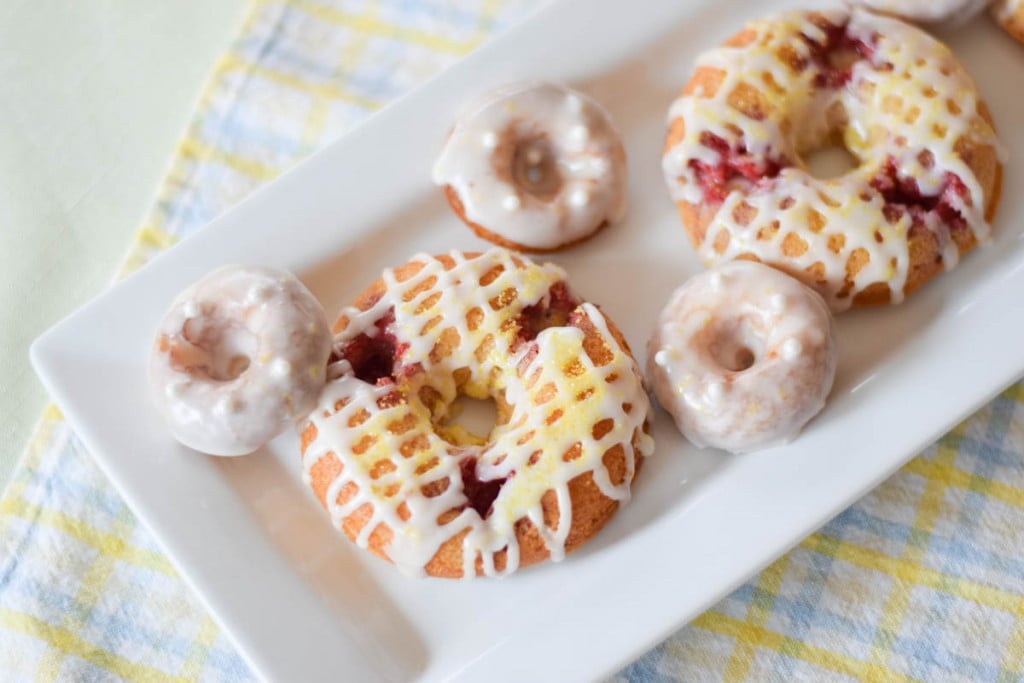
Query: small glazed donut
[[935, 13], [1010, 15], [743, 357], [570, 434], [534, 167], [927, 177], [240, 356]]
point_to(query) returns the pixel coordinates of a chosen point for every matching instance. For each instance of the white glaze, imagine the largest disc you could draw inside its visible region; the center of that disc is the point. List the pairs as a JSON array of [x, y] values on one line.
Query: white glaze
[[944, 13], [477, 163], [263, 315], [703, 325], [925, 77], [589, 395]]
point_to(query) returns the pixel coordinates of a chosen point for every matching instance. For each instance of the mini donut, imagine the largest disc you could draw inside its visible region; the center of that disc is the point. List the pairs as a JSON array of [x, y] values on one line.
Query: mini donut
[[928, 174], [743, 357], [934, 13], [534, 167], [1010, 15], [571, 430], [240, 356]]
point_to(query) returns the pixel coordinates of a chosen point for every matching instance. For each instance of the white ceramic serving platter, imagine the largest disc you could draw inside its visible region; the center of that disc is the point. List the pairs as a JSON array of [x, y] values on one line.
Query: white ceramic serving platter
[[304, 604]]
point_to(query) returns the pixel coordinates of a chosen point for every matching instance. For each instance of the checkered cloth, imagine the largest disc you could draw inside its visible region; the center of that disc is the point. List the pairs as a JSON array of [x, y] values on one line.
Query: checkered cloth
[[923, 579]]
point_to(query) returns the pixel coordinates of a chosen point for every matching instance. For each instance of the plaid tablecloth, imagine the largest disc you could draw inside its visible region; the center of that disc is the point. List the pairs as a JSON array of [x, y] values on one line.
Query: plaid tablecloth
[[921, 580]]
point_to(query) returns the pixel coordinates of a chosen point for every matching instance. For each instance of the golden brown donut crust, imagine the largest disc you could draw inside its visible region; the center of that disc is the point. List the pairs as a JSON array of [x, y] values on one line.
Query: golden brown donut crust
[[591, 509], [924, 252]]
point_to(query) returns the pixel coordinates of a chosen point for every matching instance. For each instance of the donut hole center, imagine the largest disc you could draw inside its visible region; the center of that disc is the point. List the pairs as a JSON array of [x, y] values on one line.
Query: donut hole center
[[233, 369], [733, 356], [830, 161], [821, 143], [535, 168], [214, 348], [734, 345], [468, 421], [736, 358], [842, 59]]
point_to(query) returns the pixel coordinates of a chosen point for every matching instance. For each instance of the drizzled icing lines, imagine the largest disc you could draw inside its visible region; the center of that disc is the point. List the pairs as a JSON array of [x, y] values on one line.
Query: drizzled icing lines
[[895, 97], [568, 395]]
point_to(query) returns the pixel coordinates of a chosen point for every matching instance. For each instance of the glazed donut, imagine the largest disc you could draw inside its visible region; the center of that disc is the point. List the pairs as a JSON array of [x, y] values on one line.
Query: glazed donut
[[240, 356], [1010, 15], [570, 434], [743, 357], [928, 176], [534, 167], [937, 13]]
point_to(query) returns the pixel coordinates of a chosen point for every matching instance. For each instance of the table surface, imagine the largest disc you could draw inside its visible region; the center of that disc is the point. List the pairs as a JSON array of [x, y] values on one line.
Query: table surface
[[91, 106]]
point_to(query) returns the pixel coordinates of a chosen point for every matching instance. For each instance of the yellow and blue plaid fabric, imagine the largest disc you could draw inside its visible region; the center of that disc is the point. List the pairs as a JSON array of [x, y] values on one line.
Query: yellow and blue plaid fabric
[[921, 580]]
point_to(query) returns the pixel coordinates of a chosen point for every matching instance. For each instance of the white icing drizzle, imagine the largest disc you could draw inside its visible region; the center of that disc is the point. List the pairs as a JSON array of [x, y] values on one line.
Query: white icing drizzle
[[707, 334], [947, 13], [555, 390], [557, 132], [260, 319], [915, 112]]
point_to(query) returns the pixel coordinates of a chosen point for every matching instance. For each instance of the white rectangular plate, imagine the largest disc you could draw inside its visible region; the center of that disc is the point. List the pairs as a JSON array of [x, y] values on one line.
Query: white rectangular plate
[[304, 604]]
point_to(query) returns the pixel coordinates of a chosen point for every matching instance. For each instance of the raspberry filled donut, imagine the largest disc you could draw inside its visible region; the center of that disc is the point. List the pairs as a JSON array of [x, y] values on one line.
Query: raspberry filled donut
[[534, 167], [927, 177], [743, 357], [937, 13], [1010, 15], [240, 356], [570, 434]]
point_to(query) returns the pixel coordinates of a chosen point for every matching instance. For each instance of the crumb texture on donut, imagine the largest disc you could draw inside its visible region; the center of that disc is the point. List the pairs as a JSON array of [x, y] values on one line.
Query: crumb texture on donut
[[928, 169], [570, 432], [534, 166]]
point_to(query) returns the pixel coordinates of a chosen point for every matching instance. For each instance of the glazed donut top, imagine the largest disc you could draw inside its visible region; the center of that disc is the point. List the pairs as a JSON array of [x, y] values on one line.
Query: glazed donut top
[[904, 107], [927, 11], [241, 354], [464, 318], [537, 164], [743, 356]]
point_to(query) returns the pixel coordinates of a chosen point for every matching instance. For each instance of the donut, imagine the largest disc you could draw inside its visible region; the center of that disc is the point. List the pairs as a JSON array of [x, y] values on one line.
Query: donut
[[534, 167], [1010, 15], [928, 167], [934, 13], [570, 434], [743, 357], [240, 356]]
